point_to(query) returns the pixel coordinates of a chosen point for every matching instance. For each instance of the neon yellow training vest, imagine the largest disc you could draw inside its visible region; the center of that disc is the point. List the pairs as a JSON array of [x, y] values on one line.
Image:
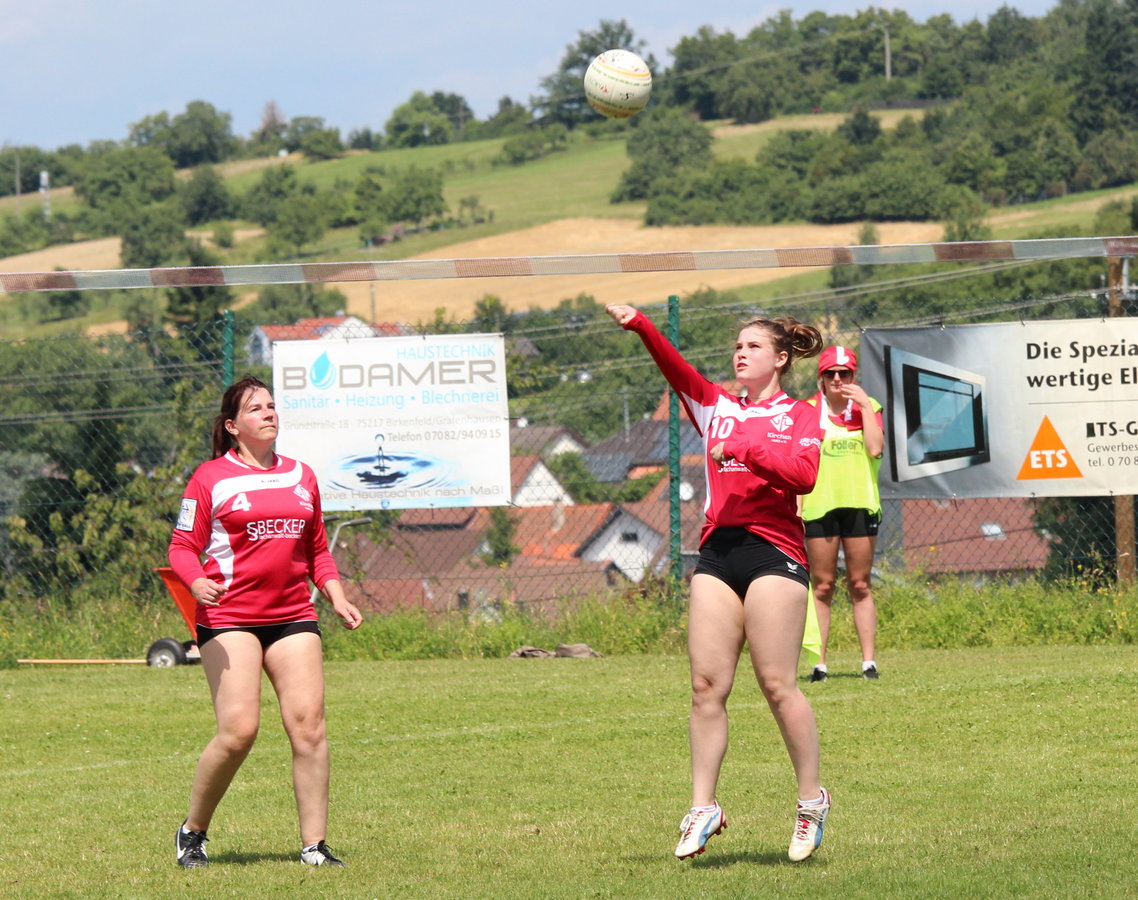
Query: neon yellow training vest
[[847, 475]]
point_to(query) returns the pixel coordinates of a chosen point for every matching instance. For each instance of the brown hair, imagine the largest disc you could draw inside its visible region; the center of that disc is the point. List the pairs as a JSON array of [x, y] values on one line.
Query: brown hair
[[796, 339], [231, 402]]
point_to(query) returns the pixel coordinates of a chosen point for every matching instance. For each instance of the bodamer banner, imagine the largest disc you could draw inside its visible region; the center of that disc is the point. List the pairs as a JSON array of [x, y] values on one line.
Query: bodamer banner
[[397, 422], [1045, 409]]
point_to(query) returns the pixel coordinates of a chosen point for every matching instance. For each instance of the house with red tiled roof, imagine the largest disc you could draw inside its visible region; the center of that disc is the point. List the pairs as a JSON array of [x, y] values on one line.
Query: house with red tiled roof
[[533, 484], [259, 344], [438, 559], [544, 440], [978, 537], [625, 539]]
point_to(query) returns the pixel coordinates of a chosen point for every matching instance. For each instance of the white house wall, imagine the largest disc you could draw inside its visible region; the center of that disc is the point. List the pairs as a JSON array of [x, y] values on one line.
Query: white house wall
[[631, 557], [541, 488]]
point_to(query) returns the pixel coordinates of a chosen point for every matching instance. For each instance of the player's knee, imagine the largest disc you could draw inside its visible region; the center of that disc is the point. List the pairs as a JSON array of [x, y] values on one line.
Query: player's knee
[[307, 734], [823, 589], [237, 738], [776, 687], [708, 692]]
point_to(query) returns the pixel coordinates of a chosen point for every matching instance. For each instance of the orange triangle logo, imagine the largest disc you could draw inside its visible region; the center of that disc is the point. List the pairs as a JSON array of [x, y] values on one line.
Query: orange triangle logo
[[1048, 456]]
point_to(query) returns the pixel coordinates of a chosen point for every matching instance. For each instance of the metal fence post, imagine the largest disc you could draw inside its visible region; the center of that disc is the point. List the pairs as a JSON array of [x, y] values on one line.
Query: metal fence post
[[227, 340], [674, 451]]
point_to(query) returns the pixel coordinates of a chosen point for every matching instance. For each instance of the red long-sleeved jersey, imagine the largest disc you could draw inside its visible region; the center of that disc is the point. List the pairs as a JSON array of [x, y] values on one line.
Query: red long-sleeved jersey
[[262, 534], [774, 445]]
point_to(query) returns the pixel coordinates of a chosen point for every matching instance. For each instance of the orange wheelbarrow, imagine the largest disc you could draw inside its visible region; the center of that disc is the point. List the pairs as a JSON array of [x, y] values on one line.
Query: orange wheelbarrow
[[168, 651]]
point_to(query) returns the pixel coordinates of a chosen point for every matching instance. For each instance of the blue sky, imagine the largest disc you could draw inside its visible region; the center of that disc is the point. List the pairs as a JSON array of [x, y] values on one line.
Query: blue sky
[[77, 71]]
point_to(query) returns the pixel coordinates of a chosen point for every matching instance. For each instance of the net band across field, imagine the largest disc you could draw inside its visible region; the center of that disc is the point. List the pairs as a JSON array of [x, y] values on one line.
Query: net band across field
[[603, 263]]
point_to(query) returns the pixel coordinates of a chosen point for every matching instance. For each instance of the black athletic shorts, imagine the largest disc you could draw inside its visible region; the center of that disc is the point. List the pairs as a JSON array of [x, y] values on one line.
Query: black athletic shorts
[[844, 522], [266, 634], [736, 557]]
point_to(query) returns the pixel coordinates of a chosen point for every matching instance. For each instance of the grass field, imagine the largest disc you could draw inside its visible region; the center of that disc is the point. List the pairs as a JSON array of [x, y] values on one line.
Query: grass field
[[980, 773]]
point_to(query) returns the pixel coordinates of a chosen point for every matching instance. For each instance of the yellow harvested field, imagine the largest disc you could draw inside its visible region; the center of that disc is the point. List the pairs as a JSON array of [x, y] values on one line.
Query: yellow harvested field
[[84, 255]]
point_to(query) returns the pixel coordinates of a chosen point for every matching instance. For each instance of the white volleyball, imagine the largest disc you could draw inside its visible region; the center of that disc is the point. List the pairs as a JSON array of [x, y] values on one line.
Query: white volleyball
[[618, 84]]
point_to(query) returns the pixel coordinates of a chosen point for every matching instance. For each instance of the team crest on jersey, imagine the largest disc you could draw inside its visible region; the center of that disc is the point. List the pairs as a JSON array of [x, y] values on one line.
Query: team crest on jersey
[[782, 422], [305, 496], [186, 515]]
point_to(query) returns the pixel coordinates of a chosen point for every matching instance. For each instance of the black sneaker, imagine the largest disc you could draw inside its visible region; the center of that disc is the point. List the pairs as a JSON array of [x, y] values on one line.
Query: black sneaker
[[319, 855], [818, 675], [190, 847], [870, 672]]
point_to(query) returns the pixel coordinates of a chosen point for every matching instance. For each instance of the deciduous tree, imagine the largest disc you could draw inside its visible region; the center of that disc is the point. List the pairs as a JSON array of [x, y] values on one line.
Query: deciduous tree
[[204, 196], [415, 195], [563, 99], [418, 123]]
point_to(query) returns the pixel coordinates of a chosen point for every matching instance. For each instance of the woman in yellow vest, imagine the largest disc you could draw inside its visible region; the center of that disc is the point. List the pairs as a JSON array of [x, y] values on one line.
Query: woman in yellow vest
[[844, 509]]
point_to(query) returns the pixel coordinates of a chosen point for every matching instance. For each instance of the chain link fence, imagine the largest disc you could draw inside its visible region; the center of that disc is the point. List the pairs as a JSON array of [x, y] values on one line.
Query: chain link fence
[[99, 433]]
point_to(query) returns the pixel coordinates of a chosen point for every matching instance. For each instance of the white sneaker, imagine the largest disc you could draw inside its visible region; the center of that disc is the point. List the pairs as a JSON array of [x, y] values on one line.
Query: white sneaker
[[698, 825], [319, 855], [808, 828]]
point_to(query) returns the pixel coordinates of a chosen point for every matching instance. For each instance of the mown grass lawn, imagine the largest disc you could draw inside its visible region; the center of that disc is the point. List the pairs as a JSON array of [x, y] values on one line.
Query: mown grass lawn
[[977, 773]]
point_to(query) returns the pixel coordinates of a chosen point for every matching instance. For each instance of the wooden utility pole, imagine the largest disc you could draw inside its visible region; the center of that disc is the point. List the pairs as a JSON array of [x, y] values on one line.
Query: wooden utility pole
[[1124, 546]]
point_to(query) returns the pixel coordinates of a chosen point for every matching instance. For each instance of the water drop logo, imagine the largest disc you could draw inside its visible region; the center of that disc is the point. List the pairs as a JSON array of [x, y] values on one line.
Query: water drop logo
[[322, 375]]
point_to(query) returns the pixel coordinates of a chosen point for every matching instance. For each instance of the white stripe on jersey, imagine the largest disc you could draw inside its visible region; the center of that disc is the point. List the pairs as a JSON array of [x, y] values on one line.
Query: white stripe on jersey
[[228, 488], [221, 551], [225, 490]]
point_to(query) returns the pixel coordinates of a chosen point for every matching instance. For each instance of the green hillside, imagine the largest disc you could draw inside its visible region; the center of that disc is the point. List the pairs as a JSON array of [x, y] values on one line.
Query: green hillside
[[575, 182]]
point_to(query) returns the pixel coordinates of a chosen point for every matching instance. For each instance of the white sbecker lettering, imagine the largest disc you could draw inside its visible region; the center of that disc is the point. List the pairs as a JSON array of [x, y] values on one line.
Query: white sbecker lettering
[[269, 529]]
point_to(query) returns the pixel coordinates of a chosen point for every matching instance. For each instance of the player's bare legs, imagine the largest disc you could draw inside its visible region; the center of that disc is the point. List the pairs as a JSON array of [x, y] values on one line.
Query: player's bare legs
[[715, 639], [859, 564], [232, 663], [775, 617], [823, 552], [295, 667]]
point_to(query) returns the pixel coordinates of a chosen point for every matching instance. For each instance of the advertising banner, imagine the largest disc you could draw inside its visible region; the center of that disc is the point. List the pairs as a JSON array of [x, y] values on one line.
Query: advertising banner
[[1045, 409], [397, 422]]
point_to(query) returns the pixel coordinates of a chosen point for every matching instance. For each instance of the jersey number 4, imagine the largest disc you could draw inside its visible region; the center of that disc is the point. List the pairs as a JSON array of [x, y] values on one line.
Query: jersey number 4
[[241, 503]]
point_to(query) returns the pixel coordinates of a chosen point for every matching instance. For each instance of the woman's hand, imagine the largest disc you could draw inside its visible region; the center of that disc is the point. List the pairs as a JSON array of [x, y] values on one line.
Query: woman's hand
[[350, 616], [719, 453], [855, 392], [621, 313], [870, 428], [207, 591]]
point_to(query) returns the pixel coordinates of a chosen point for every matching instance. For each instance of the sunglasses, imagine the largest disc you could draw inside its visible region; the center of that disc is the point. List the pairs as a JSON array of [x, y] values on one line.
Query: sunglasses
[[844, 374]]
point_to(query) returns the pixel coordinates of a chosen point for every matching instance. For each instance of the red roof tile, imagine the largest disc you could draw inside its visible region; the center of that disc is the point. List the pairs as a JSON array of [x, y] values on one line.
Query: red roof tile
[[971, 535]]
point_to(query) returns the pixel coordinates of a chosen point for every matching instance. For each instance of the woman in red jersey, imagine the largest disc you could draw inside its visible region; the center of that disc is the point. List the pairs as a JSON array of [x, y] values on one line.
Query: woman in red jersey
[[750, 584], [248, 538]]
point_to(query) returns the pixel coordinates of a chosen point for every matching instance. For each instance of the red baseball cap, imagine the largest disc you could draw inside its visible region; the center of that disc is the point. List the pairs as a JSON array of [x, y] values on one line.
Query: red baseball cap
[[837, 358]]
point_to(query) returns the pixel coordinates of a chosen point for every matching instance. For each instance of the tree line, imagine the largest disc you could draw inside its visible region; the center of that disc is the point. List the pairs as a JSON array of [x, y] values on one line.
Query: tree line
[[1070, 74], [1023, 109]]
